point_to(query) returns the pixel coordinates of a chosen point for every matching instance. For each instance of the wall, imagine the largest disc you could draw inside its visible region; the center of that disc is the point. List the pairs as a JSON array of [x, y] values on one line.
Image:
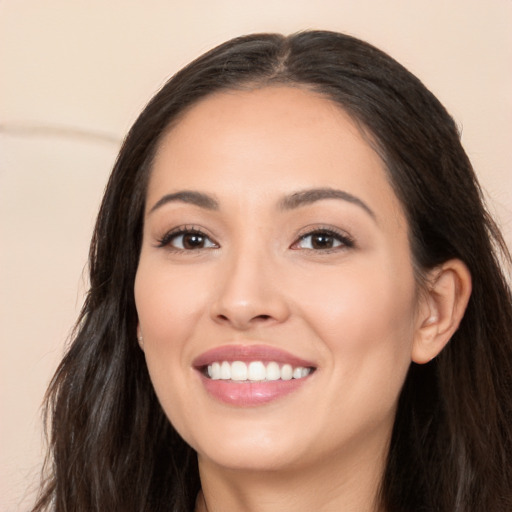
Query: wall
[[73, 76]]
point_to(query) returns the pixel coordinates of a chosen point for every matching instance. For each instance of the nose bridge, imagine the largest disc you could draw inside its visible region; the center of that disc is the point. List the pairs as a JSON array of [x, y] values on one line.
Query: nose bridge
[[248, 289]]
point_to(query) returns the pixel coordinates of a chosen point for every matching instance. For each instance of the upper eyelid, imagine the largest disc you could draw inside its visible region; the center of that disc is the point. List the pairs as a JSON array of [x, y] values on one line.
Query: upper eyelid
[[310, 230], [347, 240], [168, 235]]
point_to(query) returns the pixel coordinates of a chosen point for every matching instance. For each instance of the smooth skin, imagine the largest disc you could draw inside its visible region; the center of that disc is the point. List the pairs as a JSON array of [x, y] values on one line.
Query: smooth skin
[[324, 275]]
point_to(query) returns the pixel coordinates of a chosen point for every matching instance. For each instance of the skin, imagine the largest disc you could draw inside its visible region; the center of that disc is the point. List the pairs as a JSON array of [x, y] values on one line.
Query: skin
[[355, 310]]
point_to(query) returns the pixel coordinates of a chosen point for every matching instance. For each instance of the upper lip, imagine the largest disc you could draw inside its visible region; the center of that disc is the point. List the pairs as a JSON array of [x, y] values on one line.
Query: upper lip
[[248, 353]]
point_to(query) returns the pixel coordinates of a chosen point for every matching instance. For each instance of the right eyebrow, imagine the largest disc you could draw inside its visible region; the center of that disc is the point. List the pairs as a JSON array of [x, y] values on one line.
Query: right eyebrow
[[188, 196], [313, 195]]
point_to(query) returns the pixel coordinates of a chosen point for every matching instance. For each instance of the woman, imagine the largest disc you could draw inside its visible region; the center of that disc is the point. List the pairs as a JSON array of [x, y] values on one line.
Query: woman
[[296, 300]]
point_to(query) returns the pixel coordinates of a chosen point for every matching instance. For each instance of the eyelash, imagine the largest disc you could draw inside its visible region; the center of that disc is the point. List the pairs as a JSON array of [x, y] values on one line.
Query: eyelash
[[168, 238], [345, 241]]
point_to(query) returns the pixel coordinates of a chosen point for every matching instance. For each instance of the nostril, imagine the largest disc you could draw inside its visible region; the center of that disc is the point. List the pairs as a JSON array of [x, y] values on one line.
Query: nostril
[[262, 317], [257, 318]]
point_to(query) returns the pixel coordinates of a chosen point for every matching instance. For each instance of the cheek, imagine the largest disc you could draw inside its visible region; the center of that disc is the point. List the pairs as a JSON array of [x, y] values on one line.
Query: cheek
[[366, 320], [169, 308], [357, 302], [169, 304]]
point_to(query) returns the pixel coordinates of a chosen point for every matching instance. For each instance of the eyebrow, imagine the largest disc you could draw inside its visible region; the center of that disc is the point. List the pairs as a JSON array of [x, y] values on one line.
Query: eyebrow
[[290, 202], [313, 195], [188, 196]]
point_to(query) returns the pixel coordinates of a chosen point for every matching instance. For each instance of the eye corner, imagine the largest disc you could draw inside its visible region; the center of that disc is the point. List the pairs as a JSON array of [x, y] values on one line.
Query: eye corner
[[327, 240], [184, 239]]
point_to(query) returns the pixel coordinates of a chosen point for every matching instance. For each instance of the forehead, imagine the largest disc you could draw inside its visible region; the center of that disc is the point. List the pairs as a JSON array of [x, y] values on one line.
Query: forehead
[[267, 142]]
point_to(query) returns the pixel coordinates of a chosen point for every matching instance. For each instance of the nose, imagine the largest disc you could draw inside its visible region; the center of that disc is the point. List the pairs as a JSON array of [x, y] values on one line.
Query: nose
[[249, 293]]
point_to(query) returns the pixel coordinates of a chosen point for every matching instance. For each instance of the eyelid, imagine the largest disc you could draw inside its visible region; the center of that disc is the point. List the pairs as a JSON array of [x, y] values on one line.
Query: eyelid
[[165, 240], [347, 241]]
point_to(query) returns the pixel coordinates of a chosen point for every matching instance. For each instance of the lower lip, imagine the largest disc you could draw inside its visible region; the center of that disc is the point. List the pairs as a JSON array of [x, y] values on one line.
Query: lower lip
[[250, 394]]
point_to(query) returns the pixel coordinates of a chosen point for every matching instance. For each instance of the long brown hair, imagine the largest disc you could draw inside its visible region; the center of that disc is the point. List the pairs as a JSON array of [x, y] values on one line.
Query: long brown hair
[[111, 446]]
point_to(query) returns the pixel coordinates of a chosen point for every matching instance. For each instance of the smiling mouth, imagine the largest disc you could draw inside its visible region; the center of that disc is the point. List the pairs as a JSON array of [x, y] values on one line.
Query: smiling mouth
[[254, 371], [251, 375]]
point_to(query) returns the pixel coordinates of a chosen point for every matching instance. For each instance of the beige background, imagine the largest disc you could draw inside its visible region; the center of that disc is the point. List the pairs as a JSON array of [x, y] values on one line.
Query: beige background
[[73, 76]]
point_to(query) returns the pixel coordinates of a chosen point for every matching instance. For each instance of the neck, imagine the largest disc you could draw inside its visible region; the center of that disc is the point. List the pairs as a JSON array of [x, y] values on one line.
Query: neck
[[348, 487]]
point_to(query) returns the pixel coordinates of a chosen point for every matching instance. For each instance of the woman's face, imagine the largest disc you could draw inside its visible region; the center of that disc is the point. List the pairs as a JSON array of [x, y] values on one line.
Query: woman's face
[[275, 288]]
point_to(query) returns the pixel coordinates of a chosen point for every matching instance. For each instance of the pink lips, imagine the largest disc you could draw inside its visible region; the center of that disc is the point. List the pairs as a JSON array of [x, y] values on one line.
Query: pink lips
[[249, 394], [248, 353]]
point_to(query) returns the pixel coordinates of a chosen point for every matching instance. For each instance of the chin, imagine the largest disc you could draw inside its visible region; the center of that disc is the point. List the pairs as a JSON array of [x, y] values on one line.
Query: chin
[[238, 447], [246, 456]]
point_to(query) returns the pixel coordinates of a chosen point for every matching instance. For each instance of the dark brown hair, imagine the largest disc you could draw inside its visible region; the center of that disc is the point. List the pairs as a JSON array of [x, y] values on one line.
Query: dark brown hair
[[111, 446]]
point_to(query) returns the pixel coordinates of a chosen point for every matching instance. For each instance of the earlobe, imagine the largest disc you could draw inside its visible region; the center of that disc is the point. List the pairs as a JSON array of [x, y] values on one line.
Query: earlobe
[[140, 338], [441, 310]]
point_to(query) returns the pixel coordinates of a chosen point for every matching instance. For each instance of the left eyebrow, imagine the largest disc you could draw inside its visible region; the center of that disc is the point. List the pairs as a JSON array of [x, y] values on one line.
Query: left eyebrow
[[313, 195], [190, 197]]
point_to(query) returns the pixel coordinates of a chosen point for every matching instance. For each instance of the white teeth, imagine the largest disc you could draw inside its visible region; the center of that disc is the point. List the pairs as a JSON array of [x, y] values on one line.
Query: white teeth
[[225, 371], [273, 371], [238, 370], [286, 372], [214, 371], [255, 371]]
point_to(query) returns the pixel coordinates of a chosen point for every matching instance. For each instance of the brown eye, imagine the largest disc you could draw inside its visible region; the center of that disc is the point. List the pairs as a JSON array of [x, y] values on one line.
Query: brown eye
[[192, 241], [187, 240], [323, 240]]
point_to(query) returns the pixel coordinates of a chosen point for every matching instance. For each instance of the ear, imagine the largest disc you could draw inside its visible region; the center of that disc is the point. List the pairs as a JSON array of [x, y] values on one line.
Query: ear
[[441, 309], [140, 338]]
